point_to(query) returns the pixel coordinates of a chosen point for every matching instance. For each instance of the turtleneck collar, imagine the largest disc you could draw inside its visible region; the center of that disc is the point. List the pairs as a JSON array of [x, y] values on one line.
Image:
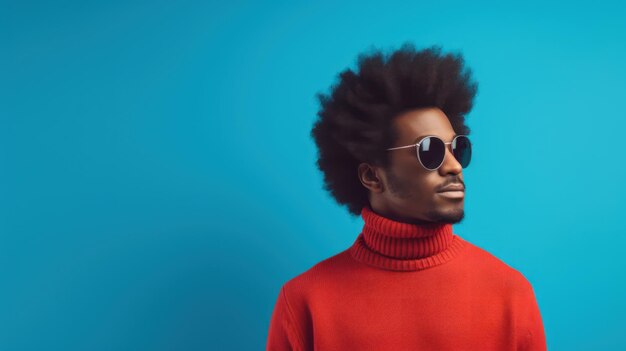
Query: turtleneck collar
[[400, 246]]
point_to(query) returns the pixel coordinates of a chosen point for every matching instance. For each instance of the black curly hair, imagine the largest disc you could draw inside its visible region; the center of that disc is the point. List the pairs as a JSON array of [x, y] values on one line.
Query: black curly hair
[[354, 123]]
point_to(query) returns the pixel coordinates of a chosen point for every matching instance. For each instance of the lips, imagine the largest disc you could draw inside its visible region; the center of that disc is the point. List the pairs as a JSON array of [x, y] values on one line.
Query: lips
[[452, 187]]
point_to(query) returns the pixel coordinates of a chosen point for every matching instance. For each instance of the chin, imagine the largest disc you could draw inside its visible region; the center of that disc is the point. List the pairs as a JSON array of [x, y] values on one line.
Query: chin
[[449, 216]]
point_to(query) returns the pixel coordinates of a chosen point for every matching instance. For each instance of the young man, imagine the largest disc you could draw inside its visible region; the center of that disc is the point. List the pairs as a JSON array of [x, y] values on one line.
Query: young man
[[392, 146]]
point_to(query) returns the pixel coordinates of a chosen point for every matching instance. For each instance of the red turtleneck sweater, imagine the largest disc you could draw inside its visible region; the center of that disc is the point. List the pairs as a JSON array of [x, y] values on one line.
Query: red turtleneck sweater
[[403, 286]]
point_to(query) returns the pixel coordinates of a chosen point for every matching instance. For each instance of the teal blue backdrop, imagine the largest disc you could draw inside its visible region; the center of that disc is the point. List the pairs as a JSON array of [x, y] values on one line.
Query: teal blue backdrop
[[158, 181]]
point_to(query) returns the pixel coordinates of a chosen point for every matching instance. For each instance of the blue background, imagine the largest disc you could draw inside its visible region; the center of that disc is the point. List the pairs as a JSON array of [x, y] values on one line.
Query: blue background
[[158, 181]]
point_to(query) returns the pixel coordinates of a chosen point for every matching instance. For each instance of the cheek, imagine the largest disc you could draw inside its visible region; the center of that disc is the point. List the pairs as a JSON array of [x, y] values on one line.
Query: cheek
[[430, 183], [417, 179], [413, 168], [410, 167], [422, 183]]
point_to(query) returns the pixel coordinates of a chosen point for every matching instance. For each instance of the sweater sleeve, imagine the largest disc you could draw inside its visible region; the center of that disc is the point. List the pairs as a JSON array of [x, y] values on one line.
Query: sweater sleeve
[[533, 336], [283, 332]]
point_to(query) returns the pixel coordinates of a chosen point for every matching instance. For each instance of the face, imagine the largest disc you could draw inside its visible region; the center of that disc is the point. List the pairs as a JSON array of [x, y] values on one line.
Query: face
[[405, 190]]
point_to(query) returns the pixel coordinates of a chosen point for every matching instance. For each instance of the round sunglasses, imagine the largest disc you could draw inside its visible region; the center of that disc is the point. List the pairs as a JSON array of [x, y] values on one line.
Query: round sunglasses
[[431, 151]]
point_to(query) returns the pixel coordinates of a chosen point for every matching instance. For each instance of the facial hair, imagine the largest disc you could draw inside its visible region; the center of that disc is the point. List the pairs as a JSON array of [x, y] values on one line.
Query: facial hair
[[401, 190]]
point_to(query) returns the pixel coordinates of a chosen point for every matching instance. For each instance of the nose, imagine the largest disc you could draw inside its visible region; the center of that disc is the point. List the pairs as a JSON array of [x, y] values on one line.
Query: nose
[[450, 164]]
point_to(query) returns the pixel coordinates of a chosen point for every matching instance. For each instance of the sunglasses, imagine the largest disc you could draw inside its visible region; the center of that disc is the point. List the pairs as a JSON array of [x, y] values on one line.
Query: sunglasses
[[431, 151]]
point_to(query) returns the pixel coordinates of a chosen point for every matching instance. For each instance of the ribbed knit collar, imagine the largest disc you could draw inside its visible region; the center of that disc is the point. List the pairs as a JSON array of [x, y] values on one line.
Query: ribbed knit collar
[[400, 246]]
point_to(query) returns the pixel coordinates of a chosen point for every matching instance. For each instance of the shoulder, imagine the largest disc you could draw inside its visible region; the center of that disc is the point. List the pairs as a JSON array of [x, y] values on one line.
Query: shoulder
[[320, 276], [493, 267]]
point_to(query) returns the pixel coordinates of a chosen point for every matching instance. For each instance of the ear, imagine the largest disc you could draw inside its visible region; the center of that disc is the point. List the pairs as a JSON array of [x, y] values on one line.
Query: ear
[[370, 177]]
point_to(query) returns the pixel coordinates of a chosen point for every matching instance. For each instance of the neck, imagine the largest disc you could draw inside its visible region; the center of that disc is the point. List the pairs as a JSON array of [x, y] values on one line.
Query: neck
[[392, 244]]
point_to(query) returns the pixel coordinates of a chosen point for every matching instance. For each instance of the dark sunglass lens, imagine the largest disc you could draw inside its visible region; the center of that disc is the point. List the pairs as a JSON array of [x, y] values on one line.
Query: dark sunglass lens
[[431, 152], [462, 150]]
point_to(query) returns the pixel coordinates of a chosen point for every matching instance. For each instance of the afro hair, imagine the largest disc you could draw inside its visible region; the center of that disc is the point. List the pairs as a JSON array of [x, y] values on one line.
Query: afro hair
[[354, 123]]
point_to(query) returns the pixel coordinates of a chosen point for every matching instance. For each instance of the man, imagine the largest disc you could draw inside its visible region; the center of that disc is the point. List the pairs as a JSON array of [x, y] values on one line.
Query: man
[[392, 146]]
